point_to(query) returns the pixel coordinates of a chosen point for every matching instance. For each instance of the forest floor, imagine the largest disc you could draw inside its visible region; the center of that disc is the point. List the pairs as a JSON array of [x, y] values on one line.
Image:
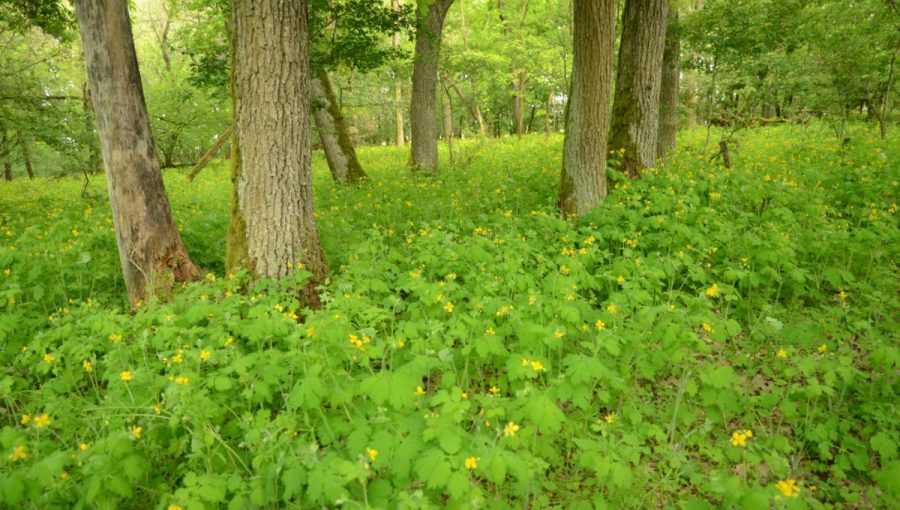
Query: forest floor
[[708, 337]]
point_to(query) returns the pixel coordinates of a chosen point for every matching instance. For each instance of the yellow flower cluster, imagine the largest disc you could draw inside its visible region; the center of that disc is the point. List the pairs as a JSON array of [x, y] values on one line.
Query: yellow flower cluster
[[360, 343], [740, 437]]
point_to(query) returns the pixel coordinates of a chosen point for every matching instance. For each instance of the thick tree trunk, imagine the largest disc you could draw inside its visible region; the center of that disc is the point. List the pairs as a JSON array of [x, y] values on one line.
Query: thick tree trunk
[[211, 153], [398, 89], [583, 182], [335, 138], [639, 72], [429, 26], [7, 170], [151, 252], [668, 91], [272, 227], [26, 154]]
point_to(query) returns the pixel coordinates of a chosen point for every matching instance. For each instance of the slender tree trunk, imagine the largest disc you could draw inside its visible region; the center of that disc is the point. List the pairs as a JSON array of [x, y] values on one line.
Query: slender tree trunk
[[548, 119], [151, 252], [429, 26], [447, 118], [272, 227], [583, 181], [398, 88], [211, 153], [26, 154], [335, 138], [95, 161], [636, 106], [668, 92], [4, 153]]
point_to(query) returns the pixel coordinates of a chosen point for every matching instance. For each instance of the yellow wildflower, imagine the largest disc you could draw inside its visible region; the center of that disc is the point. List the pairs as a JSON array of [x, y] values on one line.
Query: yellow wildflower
[[822, 348], [420, 391], [788, 487], [532, 299], [707, 327], [182, 380], [740, 437], [173, 506], [41, 421], [600, 325], [126, 375], [204, 355], [610, 418], [115, 338], [612, 309], [449, 307], [136, 431], [84, 447], [19, 453], [558, 334], [471, 463], [490, 331], [782, 353], [537, 366], [564, 269], [372, 453], [713, 291], [510, 429], [494, 390], [87, 366], [620, 279], [48, 358]]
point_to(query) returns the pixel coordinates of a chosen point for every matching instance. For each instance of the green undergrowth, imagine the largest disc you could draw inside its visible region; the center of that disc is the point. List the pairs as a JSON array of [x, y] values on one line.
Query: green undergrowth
[[475, 349]]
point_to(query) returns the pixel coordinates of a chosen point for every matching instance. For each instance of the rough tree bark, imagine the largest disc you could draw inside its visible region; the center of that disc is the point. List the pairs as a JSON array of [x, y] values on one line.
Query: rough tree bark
[[639, 72], [272, 228], [668, 91], [587, 119], [398, 88], [151, 252], [333, 134], [422, 116], [26, 154]]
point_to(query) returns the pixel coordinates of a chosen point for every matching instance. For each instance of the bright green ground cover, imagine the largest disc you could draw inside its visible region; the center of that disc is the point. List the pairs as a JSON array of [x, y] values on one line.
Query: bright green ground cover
[[475, 349]]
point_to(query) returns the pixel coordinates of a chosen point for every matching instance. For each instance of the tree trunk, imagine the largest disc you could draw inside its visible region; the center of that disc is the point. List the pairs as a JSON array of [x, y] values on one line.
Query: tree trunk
[[211, 153], [587, 119], [26, 154], [272, 227], [94, 158], [429, 25], [548, 119], [636, 105], [398, 88], [447, 118], [151, 252], [4, 153], [668, 91], [335, 138]]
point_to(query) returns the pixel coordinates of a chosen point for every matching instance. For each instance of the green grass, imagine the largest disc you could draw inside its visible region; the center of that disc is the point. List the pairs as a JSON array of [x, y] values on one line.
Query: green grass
[[475, 350]]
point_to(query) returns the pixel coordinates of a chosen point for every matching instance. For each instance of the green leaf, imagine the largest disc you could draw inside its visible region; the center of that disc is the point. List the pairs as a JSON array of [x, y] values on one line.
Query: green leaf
[[545, 414]]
